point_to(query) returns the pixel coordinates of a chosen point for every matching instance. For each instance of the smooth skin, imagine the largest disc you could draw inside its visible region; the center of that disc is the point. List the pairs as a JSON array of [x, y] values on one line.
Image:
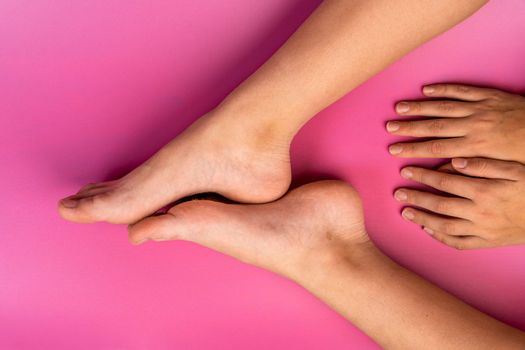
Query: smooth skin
[[315, 236], [486, 208], [241, 148], [483, 202], [467, 121]]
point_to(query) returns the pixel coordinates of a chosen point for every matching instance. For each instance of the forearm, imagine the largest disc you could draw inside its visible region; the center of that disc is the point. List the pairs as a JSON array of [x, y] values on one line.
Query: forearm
[[399, 309], [339, 46]]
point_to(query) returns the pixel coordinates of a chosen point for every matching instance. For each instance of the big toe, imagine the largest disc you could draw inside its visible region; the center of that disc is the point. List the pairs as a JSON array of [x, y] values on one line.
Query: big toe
[[85, 209], [199, 221], [158, 228]]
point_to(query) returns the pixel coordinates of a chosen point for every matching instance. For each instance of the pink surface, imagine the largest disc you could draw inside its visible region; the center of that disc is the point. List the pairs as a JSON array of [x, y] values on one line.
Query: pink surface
[[88, 90]]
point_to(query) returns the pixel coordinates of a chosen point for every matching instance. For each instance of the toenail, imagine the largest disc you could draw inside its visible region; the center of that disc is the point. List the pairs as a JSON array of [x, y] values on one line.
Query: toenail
[[402, 107], [395, 149], [392, 126], [400, 195], [69, 203], [406, 173], [408, 214]]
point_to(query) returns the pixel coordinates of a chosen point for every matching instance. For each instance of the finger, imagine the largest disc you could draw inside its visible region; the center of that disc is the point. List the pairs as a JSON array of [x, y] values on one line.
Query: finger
[[436, 223], [438, 127], [457, 207], [441, 148], [458, 242], [454, 184], [447, 168], [450, 109], [489, 168], [460, 92]]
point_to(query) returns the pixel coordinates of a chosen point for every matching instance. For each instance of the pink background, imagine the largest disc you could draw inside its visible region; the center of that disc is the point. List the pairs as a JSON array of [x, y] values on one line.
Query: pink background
[[90, 89]]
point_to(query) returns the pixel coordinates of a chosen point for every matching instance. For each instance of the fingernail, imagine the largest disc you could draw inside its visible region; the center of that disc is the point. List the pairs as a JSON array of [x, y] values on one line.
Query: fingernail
[[69, 203], [395, 149], [427, 90], [406, 173], [400, 195], [428, 230], [402, 107], [459, 163], [392, 126], [408, 214]]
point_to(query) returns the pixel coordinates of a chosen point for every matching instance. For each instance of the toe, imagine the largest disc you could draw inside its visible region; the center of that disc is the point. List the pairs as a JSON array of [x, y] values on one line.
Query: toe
[[84, 209], [157, 228], [93, 187]]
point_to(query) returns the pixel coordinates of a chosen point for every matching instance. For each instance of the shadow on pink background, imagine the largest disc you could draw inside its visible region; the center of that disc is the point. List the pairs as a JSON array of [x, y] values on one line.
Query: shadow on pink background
[[89, 90]]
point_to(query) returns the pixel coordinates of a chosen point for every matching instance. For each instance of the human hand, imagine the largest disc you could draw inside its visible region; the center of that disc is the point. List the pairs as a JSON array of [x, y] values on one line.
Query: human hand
[[310, 224], [467, 121], [487, 208]]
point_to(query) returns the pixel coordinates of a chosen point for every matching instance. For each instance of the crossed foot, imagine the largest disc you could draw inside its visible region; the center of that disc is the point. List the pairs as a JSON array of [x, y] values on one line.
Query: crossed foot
[[320, 219], [213, 155]]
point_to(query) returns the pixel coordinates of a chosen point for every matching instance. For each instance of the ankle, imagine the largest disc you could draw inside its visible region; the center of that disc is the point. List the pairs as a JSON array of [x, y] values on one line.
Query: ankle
[[262, 126], [352, 259], [247, 132]]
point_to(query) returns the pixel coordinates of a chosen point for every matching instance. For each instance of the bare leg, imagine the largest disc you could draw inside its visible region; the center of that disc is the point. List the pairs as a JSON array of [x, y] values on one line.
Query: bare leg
[[240, 149], [315, 236]]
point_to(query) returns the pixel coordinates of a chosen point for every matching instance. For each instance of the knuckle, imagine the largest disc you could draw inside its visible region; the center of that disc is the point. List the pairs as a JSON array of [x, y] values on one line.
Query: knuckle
[[436, 126], [408, 148], [490, 104], [484, 122], [442, 205], [441, 88], [415, 106], [448, 228], [443, 182], [435, 148], [480, 165], [462, 88], [419, 175], [478, 191], [497, 95], [407, 126], [445, 106], [476, 144]]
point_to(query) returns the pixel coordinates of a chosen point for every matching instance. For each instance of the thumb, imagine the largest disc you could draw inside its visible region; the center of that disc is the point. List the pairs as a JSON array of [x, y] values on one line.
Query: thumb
[[488, 168]]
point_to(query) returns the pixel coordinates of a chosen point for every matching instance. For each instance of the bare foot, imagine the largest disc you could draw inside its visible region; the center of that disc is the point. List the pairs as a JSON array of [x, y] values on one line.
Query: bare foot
[[310, 220], [210, 156]]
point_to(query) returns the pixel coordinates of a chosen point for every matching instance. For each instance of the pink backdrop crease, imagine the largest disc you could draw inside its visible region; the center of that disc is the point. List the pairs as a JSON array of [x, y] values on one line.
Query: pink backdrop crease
[[90, 89]]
